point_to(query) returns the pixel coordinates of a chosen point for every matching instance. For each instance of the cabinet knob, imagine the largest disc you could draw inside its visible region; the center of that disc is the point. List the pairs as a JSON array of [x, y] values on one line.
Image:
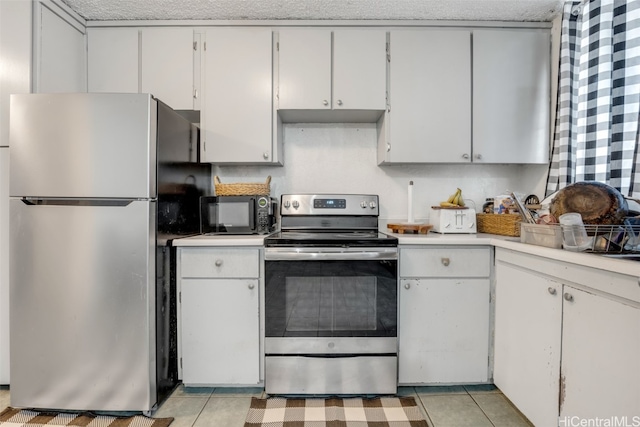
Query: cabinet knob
[[218, 262], [265, 155], [568, 297], [325, 102], [339, 102], [465, 156], [446, 262], [407, 285], [251, 286], [479, 156], [552, 290], [388, 147]]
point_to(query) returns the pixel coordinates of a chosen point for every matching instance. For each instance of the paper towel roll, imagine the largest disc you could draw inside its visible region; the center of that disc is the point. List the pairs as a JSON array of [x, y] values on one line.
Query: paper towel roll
[[410, 203]]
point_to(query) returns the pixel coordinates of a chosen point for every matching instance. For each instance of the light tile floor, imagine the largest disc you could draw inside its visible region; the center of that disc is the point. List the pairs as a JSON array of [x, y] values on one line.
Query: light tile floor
[[451, 406]]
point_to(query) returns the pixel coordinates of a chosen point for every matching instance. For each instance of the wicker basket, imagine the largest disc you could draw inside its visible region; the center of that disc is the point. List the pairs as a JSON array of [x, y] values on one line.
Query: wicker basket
[[503, 224], [242, 188]]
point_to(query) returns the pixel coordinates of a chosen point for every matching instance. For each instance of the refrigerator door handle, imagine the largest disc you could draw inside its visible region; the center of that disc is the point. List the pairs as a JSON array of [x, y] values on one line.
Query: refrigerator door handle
[[76, 202]]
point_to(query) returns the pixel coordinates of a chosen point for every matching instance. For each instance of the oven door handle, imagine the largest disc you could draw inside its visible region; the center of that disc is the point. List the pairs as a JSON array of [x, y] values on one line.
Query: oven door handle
[[293, 255]]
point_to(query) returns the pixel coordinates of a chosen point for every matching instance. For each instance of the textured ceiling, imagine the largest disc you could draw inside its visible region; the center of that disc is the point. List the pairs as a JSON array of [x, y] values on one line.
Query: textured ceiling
[[482, 10]]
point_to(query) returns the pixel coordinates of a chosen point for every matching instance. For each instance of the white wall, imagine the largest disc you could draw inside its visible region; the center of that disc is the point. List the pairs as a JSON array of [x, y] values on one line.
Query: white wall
[[341, 158]]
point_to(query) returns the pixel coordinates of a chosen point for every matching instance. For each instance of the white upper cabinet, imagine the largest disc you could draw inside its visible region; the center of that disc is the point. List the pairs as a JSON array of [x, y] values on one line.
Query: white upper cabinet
[[159, 61], [61, 64], [113, 60], [236, 118], [167, 65], [429, 96], [325, 69], [305, 69], [359, 69], [511, 93], [461, 96]]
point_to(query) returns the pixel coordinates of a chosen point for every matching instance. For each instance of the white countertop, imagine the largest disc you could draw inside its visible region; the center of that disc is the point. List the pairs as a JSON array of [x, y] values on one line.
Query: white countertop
[[222, 240], [446, 239], [513, 243]]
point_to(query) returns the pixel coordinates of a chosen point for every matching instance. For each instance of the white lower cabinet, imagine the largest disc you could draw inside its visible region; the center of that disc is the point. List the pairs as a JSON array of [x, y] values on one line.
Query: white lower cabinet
[[444, 315], [600, 373], [567, 339], [527, 342], [219, 316]]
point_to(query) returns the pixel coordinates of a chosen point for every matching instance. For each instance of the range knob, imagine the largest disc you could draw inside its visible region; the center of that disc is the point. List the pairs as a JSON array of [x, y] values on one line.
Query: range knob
[[372, 205], [363, 204], [296, 205], [286, 204]]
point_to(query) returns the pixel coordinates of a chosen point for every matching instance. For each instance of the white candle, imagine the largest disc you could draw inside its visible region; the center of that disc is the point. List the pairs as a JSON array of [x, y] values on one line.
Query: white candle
[[410, 202]]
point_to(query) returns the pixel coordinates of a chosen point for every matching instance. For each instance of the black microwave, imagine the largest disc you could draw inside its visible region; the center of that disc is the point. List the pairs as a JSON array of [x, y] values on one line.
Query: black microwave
[[238, 214]]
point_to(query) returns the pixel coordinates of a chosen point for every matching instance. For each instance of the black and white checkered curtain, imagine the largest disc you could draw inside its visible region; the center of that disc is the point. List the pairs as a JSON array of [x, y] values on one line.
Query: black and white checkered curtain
[[596, 127]]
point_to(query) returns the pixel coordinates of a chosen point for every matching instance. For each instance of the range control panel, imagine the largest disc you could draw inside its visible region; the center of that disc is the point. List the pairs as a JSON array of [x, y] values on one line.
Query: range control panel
[[329, 204]]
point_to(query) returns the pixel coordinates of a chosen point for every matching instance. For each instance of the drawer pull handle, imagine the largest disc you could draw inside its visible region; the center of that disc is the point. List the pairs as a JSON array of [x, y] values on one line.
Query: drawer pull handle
[[552, 291], [446, 262], [218, 262], [251, 286], [568, 296]]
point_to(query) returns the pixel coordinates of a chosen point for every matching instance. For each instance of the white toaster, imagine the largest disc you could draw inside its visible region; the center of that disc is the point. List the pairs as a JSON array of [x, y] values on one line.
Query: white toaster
[[449, 220]]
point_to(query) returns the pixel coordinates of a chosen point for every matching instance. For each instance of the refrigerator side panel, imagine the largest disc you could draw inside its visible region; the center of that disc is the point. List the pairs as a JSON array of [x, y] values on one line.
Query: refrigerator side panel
[[79, 145], [181, 180], [4, 265], [82, 292]]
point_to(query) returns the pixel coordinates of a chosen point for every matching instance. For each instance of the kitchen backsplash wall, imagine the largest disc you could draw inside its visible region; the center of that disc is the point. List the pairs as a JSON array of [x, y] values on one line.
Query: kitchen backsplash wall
[[341, 158]]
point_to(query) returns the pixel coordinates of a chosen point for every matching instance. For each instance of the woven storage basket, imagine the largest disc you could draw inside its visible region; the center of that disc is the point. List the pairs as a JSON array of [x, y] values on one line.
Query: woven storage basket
[[242, 188], [503, 224]]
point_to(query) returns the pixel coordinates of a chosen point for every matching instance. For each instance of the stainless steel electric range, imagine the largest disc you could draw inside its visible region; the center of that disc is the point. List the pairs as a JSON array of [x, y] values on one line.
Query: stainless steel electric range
[[331, 298]]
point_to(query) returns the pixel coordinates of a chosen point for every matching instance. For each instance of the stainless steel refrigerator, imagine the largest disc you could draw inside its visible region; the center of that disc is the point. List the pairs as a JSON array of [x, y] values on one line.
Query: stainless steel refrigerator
[[100, 185]]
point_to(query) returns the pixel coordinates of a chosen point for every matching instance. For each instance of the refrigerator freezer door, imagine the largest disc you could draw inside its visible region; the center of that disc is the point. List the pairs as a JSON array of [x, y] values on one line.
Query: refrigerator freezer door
[[83, 301], [80, 145]]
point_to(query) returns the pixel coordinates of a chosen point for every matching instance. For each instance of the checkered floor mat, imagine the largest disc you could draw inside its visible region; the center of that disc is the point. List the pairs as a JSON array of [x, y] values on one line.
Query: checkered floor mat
[[12, 417], [350, 412]]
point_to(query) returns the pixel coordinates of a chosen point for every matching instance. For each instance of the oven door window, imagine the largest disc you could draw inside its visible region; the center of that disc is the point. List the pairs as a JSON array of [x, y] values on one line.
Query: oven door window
[[331, 298]]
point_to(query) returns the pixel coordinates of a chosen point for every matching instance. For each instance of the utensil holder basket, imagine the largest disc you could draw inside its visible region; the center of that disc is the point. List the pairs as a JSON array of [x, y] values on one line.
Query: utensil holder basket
[[502, 224], [242, 188]]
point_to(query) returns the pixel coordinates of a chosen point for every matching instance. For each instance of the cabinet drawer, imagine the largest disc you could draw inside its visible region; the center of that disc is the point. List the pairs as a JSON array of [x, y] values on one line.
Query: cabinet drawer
[[219, 263], [445, 262]]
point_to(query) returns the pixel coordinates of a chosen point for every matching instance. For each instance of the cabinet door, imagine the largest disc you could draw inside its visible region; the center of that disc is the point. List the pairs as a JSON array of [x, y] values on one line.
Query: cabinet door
[[511, 69], [600, 348], [220, 332], [61, 54], [359, 69], [444, 331], [430, 96], [237, 106], [112, 60], [304, 69], [528, 323], [167, 65]]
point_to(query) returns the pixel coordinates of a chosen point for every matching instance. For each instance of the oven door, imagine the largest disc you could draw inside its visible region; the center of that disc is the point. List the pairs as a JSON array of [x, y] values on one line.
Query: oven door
[[331, 300], [331, 321]]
